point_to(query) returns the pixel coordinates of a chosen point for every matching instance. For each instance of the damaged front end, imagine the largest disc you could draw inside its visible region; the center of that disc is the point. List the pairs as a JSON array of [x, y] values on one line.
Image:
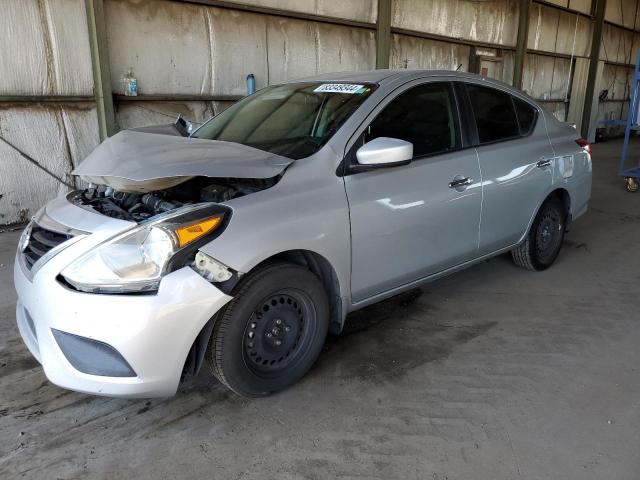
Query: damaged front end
[[175, 189], [136, 259], [138, 207]]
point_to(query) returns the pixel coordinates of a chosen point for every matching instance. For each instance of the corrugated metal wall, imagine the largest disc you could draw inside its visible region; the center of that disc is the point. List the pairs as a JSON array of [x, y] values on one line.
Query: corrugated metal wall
[[361, 10], [182, 49], [45, 51], [620, 47], [192, 59], [190, 49], [488, 22]]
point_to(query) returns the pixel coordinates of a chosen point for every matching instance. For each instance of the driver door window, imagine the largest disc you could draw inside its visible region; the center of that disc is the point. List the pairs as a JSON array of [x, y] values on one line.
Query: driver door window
[[424, 115]]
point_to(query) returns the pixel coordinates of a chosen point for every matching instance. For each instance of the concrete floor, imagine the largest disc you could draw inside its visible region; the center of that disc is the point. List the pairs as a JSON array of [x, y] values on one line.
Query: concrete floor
[[494, 373]]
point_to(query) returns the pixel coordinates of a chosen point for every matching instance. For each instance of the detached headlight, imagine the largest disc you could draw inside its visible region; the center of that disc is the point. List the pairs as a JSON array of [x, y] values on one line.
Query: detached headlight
[[136, 260]]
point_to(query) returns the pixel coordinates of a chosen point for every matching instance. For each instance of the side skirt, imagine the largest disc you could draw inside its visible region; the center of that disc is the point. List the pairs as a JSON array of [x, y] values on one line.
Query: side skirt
[[430, 278]]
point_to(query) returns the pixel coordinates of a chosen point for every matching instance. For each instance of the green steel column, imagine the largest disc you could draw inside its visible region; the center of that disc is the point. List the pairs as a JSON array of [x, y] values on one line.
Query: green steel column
[[521, 42], [383, 34], [101, 71], [594, 57]]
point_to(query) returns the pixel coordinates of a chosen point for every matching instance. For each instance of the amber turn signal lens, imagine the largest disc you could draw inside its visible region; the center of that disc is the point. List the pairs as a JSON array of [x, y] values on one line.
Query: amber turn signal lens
[[189, 233]]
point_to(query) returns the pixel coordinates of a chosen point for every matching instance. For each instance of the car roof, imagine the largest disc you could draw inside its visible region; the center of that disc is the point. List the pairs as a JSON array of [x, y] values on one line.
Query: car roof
[[382, 77]]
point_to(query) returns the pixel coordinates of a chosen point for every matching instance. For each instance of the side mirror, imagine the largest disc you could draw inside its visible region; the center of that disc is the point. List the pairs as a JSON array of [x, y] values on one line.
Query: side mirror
[[385, 152]]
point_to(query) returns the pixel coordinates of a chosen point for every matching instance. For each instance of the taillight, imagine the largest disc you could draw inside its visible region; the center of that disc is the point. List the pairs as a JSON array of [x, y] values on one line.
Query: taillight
[[586, 146]]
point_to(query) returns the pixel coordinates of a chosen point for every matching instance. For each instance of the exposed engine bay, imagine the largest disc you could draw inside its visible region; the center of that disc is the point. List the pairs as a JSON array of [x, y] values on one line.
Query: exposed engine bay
[[141, 206]]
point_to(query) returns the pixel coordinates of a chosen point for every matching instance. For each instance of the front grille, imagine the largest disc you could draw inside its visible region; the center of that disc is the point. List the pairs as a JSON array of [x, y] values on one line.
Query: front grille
[[41, 241]]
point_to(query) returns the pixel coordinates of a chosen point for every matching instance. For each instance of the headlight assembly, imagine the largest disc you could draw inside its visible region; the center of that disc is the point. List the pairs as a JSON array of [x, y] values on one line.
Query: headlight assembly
[[136, 260]]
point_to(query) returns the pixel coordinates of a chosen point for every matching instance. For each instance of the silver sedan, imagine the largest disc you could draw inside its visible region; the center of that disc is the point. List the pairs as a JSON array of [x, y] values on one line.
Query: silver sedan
[[241, 244]]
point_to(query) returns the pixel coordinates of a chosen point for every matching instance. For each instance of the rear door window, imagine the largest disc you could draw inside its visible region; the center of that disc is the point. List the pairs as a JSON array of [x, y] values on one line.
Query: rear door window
[[526, 116], [424, 115], [494, 114]]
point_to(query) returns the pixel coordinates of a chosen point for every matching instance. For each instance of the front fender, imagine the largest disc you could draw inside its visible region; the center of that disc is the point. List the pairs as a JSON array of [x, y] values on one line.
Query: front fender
[[306, 210]]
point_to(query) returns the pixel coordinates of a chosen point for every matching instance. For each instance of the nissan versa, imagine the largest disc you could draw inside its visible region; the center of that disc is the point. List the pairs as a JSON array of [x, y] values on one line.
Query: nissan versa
[[243, 243]]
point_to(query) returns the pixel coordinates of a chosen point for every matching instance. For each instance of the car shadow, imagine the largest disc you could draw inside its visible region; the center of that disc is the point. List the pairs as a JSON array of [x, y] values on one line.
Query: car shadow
[[386, 340]]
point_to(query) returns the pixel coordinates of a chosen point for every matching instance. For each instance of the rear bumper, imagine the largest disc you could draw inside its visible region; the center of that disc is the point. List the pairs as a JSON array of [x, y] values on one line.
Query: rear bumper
[[153, 333]]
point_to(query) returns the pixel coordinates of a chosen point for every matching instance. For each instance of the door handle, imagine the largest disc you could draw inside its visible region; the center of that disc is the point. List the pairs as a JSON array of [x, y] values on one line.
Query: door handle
[[460, 182], [545, 162]]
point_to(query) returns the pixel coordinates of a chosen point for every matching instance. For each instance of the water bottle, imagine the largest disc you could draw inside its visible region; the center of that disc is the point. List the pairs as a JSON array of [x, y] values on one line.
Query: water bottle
[[130, 84], [251, 84]]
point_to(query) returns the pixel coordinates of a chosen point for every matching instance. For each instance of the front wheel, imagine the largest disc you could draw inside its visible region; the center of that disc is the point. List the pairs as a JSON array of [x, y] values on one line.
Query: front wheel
[[544, 240], [272, 332]]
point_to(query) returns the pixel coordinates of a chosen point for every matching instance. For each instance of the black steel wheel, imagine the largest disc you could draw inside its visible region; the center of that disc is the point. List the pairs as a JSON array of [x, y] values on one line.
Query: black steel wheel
[[544, 240], [278, 331], [548, 235], [272, 332]]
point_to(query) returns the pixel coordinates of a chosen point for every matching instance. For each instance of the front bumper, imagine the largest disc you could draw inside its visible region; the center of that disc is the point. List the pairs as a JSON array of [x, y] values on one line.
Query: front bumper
[[153, 333]]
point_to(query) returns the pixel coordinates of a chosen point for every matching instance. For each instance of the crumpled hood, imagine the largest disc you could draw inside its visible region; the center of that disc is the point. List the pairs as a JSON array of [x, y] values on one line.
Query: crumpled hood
[[143, 161]]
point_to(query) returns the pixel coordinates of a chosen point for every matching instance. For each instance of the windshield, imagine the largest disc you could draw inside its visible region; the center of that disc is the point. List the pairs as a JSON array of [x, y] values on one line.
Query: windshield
[[293, 120]]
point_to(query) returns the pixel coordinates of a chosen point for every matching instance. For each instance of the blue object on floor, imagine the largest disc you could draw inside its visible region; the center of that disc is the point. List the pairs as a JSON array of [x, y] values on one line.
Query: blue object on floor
[[631, 172]]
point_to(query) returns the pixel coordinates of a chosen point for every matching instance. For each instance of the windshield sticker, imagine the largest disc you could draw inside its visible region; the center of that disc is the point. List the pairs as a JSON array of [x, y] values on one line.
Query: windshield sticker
[[339, 88]]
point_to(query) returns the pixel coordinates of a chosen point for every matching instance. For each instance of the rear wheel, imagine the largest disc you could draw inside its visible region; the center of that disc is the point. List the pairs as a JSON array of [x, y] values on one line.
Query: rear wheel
[[544, 240], [272, 331]]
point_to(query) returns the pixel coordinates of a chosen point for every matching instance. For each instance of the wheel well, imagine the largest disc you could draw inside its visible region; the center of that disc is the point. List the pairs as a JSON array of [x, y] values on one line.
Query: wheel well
[[315, 263], [320, 267], [563, 196]]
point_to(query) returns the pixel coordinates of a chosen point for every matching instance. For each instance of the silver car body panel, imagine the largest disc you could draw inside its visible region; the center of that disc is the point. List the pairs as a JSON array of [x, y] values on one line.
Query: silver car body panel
[[512, 182], [307, 211], [407, 223]]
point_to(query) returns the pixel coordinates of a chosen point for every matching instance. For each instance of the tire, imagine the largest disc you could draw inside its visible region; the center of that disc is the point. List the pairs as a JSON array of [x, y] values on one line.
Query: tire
[[269, 335], [544, 240]]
